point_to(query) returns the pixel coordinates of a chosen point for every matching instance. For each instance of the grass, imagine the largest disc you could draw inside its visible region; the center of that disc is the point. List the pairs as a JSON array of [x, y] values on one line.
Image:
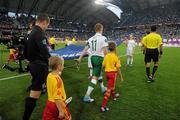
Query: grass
[[139, 100]]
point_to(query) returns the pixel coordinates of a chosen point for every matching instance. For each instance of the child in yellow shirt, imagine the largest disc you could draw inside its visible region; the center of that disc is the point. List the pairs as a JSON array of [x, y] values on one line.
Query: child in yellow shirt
[[112, 66], [56, 108], [12, 55]]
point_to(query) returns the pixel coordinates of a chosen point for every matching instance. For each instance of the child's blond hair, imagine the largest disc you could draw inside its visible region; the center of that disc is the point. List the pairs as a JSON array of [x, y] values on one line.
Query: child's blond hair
[[54, 61]]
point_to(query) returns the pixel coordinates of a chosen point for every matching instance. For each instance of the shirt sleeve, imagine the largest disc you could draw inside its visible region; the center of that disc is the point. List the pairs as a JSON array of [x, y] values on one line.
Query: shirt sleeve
[[118, 62], [105, 42], [55, 89]]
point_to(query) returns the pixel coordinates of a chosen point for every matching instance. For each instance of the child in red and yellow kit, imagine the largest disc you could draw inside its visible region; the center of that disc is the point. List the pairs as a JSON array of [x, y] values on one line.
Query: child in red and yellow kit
[[12, 56], [112, 66], [56, 108]]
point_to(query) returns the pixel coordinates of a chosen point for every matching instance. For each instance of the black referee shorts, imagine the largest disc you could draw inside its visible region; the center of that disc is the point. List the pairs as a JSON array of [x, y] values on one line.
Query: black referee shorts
[[39, 72], [151, 54]]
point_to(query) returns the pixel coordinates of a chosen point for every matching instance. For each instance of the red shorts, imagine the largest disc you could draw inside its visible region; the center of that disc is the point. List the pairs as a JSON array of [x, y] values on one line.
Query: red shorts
[[111, 78], [51, 111], [12, 57]]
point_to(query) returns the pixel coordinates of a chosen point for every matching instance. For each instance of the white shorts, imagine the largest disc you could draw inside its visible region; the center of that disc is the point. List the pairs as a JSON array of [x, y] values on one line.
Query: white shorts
[[129, 51], [89, 62]]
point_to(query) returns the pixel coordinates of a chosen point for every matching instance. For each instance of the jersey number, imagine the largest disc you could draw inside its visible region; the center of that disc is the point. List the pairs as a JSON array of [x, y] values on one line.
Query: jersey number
[[94, 43]]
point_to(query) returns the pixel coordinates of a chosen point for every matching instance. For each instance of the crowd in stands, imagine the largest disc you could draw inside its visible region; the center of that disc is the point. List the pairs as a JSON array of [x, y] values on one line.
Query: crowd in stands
[[166, 14], [6, 21], [166, 31], [166, 17]]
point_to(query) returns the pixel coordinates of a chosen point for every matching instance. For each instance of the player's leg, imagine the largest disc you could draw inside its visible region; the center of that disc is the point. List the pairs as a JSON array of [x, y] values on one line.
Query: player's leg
[[147, 60], [90, 73], [91, 87], [96, 63], [100, 81], [154, 70], [131, 56], [128, 56], [131, 60], [39, 74], [155, 60], [128, 60], [30, 104], [114, 94], [130, 53], [111, 80]]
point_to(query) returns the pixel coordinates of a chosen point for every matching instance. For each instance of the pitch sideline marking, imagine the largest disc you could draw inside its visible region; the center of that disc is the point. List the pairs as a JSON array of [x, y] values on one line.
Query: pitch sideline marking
[[17, 76]]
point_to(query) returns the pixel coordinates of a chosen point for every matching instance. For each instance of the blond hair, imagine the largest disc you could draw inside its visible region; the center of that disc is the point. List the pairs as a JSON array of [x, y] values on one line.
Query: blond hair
[[98, 27], [54, 61]]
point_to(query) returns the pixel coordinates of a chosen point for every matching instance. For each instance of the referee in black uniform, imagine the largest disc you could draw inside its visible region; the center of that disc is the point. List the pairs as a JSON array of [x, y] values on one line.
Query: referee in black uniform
[[37, 54], [151, 43]]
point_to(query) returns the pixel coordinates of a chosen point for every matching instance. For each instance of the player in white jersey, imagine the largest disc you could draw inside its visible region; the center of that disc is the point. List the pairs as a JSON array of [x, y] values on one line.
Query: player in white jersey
[[131, 44], [98, 48]]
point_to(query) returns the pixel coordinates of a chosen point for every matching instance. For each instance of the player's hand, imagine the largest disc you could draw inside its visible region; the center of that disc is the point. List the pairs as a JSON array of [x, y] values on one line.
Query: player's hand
[[122, 80], [61, 115], [78, 61], [69, 118], [144, 52], [160, 54]]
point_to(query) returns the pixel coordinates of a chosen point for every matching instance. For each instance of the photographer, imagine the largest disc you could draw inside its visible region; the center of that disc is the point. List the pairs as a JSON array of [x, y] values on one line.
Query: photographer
[[37, 55]]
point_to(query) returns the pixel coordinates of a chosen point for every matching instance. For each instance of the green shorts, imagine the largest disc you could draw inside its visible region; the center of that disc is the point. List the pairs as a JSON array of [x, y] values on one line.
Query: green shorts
[[96, 62]]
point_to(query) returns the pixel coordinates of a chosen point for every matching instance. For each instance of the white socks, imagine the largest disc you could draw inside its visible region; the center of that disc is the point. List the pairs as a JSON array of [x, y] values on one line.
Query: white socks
[[130, 60], [91, 87]]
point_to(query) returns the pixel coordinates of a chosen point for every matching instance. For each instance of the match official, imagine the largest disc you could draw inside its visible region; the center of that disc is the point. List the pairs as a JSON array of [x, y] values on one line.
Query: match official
[[151, 43], [37, 55]]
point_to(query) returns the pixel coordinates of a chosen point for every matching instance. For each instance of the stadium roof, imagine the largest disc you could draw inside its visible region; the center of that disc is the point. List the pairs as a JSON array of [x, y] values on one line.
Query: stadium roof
[[84, 11]]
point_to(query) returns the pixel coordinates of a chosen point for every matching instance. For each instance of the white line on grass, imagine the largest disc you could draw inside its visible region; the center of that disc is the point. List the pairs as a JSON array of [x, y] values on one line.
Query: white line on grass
[[17, 76]]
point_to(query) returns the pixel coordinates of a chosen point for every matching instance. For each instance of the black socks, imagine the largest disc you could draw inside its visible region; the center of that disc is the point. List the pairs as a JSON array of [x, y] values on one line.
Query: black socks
[[154, 70], [30, 104], [148, 71]]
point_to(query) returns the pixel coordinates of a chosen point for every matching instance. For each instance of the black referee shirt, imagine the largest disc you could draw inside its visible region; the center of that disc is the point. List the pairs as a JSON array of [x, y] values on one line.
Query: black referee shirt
[[37, 46]]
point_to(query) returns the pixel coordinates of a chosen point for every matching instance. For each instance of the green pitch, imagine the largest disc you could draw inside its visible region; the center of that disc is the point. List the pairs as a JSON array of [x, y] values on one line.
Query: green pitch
[[139, 100]]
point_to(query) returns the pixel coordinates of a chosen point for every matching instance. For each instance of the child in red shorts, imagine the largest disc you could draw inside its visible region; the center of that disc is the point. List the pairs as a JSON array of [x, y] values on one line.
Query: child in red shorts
[[112, 66], [56, 108]]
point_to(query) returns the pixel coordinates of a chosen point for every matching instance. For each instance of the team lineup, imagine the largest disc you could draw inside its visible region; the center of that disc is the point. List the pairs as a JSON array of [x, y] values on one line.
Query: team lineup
[[102, 59]]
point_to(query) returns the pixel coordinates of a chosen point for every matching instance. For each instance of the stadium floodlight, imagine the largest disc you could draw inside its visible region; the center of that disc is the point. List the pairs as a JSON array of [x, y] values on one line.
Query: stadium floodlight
[[99, 2]]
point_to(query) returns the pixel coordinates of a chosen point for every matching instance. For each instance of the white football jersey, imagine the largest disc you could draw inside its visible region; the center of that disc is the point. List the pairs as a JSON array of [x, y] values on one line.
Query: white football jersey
[[96, 44], [131, 44]]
